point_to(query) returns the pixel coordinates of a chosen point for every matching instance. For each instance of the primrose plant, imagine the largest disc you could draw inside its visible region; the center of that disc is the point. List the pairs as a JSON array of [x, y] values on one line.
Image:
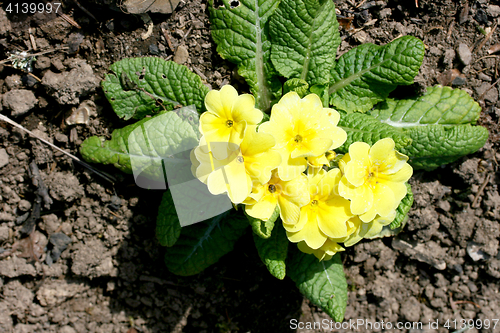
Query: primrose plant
[[321, 161]]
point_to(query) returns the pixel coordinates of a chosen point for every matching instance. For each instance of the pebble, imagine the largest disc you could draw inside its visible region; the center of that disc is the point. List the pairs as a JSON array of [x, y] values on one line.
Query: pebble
[[481, 17], [4, 158], [491, 96], [22, 156], [464, 54], [494, 10], [20, 101], [24, 205], [13, 81], [42, 63], [4, 233], [484, 77], [181, 55]]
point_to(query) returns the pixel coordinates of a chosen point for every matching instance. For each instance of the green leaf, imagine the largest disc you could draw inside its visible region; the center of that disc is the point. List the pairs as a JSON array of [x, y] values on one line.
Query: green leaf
[[305, 36], [438, 124], [435, 145], [168, 228], [403, 208], [203, 244], [363, 127], [273, 251], [261, 228], [138, 86], [367, 74], [241, 34], [144, 145], [298, 85], [438, 106], [323, 282]]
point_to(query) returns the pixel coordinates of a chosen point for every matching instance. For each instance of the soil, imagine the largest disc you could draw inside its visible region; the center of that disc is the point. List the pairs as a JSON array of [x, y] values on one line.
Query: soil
[[106, 271]]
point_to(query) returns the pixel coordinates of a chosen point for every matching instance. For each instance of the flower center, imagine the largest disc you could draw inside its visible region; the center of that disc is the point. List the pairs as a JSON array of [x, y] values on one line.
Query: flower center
[[297, 139], [272, 188], [314, 202], [240, 159], [229, 123]]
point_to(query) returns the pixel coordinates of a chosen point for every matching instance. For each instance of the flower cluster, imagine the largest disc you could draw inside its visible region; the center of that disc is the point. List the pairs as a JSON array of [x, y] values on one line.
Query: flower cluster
[[285, 163]]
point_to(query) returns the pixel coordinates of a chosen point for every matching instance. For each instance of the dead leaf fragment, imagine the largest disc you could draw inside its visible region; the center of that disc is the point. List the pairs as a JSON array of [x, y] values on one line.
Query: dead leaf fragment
[[493, 49]]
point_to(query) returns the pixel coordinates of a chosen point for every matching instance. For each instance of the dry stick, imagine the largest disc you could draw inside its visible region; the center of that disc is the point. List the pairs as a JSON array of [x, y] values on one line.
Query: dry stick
[[480, 191], [488, 36], [109, 178]]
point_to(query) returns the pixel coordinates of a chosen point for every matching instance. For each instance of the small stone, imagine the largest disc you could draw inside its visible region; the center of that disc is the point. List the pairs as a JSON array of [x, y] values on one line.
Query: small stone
[[24, 205], [42, 63], [13, 81], [181, 55], [61, 137], [481, 17], [4, 233], [360, 36], [22, 156], [464, 54], [494, 10], [20, 101], [484, 77], [385, 13], [153, 49], [4, 158], [490, 95]]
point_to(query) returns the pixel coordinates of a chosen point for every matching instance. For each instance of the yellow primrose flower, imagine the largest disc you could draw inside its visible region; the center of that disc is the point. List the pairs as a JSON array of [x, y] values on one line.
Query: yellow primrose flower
[[228, 115], [302, 128], [367, 230], [325, 216], [234, 174], [289, 195], [373, 178], [325, 252]]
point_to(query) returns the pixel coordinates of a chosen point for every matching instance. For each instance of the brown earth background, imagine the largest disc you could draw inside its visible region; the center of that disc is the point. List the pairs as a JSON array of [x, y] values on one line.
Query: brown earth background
[[111, 277]]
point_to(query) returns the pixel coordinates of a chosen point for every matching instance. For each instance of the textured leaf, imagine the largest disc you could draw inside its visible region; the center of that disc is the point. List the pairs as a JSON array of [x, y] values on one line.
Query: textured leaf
[[241, 34], [136, 87], [435, 145], [367, 74], [323, 282], [273, 251], [168, 228], [203, 244], [305, 36], [144, 145], [438, 124], [299, 86], [438, 106], [403, 208], [261, 228], [363, 127]]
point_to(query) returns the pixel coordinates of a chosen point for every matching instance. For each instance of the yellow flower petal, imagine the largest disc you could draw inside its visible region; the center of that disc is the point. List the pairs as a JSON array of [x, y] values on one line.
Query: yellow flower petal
[[263, 209], [244, 110]]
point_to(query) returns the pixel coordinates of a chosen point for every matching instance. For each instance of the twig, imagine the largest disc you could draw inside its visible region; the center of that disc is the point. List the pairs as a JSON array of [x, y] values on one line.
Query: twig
[[486, 57], [69, 20], [167, 37], [85, 10], [105, 176], [360, 4], [32, 40], [488, 36], [480, 191], [35, 77]]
